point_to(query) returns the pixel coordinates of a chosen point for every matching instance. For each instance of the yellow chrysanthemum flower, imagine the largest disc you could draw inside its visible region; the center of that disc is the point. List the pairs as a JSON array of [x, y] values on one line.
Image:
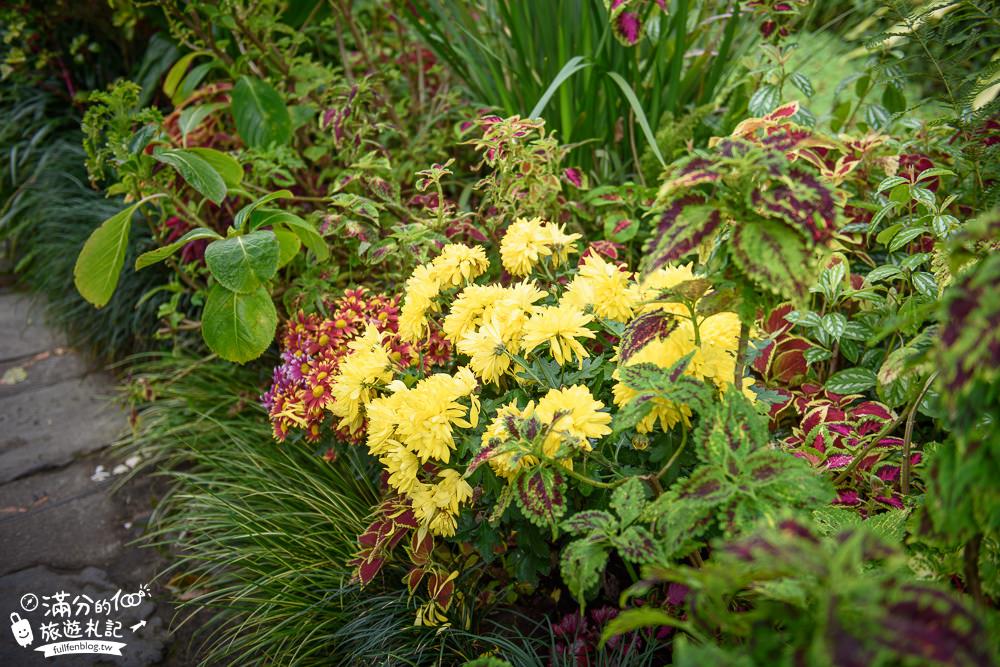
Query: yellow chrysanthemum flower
[[572, 411], [656, 282], [458, 264], [604, 287], [468, 308], [427, 412], [402, 466], [526, 242], [713, 360], [488, 351], [559, 326], [436, 505], [365, 369], [422, 287], [507, 464]]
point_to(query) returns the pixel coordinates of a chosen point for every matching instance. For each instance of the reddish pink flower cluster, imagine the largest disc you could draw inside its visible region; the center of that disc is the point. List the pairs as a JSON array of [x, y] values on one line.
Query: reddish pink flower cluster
[[311, 351]]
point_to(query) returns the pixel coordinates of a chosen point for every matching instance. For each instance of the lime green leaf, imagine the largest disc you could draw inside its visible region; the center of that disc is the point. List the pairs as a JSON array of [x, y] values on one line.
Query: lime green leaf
[[244, 213], [288, 246], [227, 166], [100, 262], [176, 72], [198, 173], [238, 327], [851, 380], [160, 254], [260, 113], [305, 231], [242, 263], [581, 565]]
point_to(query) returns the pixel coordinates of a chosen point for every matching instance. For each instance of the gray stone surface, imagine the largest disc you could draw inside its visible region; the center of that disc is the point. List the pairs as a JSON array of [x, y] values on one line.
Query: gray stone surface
[[60, 530], [21, 328], [54, 424], [61, 518]]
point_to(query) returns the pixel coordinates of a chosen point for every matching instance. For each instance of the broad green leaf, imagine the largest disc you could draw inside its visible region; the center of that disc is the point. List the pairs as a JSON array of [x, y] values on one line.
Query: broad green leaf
[[934, 171], [288, 246], [160, 254], [905, 236], [642, 617], [880, 273], [198, 173], [238, 327], [260, 114], [224, 163], [242, 263], [773, 256], [851, 380], [304, 230], [244, 213], [192, 117], [100, 262]]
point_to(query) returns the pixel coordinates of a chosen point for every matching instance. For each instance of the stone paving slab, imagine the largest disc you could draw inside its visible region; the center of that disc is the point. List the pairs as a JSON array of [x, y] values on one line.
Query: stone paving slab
[[53, 425], [21, 328], [41, 370], [61, 518]]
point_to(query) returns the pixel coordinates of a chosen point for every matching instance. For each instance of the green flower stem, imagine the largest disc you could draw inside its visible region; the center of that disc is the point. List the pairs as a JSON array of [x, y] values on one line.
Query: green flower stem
[[583, 478]]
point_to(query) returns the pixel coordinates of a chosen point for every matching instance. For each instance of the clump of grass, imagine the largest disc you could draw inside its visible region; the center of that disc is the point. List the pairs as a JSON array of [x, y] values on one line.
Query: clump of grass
[[47, 211]]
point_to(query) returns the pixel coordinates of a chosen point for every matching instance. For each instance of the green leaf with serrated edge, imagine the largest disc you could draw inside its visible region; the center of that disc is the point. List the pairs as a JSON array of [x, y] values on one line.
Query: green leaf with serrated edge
[[244, 213], [238, 327], [890, 526], [851, 380], [636, 545], [541, 495], [306, 232], [242, 263], [198, 173], [288, 246], [833, 520], [224, 163], [628, 500], [591, 521], [260, 113], [774, 257], [683, 226], [160, 254], [100, 262], [581, 565]]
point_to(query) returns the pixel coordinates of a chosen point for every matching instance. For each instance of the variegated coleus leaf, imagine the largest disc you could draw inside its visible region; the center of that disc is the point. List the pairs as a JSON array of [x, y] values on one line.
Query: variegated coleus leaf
[[581, 565], [684, 225], [626, 18], [731, 430], [591, 522], [636, 544], [643, 330], [541, 495], [801, 201], [629, 500], [774, 257]]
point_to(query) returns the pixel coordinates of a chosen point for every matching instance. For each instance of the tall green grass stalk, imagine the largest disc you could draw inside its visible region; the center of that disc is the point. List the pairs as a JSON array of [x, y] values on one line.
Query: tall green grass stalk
[[555, 58]]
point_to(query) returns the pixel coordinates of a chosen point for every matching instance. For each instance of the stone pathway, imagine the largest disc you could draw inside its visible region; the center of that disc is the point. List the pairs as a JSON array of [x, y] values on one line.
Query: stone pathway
[[61, 528]]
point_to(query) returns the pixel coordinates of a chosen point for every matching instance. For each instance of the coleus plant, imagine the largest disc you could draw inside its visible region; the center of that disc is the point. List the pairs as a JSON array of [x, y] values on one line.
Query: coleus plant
[[785, 594]]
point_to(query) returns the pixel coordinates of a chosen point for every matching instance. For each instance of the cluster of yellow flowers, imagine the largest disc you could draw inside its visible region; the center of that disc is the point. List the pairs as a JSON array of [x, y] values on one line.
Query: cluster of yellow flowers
[[714, 348], [410, 427], [568, 416], [457, 264], [527, 242], [367, 368]]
